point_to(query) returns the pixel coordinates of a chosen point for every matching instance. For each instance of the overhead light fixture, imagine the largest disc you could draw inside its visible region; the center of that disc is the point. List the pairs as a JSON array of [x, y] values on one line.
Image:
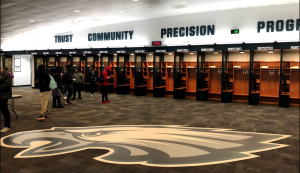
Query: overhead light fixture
[[132, 54], [76, 11], [242, 51], [150, 54], [216, 52], [192, 53], [136, 0], [121, 11], [169, 53], [184, 2], [32, 21], [270, 51], [115, 54]]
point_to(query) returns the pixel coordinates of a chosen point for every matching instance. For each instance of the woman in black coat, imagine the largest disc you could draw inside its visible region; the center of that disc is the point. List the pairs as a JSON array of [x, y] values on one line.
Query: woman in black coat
[[56, 93]]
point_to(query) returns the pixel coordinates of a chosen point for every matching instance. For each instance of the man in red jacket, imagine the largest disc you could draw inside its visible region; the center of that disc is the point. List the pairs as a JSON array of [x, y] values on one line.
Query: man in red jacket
[[104, 86]]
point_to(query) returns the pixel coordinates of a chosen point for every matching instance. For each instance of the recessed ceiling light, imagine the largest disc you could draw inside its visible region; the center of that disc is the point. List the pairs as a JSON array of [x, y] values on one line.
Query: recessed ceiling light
[[192, 53], [216, 52], [183, 2], [76, 11], [135, 0], [115, 54], [31, 21], [121, 11], [132, 54], [270, 51], [169, 53], [150, 54], [242, 51]]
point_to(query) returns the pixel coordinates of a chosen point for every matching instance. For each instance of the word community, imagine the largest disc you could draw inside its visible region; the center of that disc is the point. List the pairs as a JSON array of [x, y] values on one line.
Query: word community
[[107, 36]]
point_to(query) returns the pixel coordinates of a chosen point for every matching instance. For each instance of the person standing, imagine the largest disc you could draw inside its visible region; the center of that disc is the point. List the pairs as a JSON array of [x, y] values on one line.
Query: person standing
[[92, 76], [56, 93], [104, 85], [78, 79], [44, 81], [68, 81], [5, 94], [6, 69]]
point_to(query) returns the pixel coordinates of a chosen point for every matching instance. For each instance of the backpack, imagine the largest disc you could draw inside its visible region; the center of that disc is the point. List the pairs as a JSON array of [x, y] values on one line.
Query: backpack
[[100, 79], [53, 84]]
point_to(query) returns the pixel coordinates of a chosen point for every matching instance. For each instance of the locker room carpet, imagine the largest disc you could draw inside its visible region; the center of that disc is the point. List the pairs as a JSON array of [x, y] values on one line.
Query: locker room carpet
[[146, 110]]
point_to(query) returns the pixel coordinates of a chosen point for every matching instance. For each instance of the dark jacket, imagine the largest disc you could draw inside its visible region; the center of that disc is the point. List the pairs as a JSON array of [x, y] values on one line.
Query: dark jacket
[[67, 78], [92, 77], [5, 86], [44, 81], [58, 80]]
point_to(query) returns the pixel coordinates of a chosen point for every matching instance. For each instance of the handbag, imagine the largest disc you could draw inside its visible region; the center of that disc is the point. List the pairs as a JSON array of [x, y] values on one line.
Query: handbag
[[56, 92]]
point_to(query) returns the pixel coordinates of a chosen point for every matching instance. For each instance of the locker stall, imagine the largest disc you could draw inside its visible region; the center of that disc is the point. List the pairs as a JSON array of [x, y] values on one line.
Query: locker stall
[[189, 73], [159, 90], [212, 74], [167, 72], [179, 84], [266, 70], [108, 60], [124, 76], [140, 70], [238, 66], [148, 73], [289, 94]]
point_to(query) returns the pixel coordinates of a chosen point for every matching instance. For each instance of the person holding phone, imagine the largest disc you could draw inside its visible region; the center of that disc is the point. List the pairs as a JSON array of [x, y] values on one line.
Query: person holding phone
[[78, 78]]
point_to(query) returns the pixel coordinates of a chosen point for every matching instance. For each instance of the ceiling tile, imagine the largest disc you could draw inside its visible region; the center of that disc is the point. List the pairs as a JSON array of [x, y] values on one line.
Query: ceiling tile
[[9, 16], [29, 10], [14, 8], [7, 3]]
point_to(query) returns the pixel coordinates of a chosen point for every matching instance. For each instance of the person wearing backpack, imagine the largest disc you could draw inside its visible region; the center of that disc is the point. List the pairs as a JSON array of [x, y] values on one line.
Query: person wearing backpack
[[56, 93], [68, 81], [104, 85], [44, 82], [78, 79]]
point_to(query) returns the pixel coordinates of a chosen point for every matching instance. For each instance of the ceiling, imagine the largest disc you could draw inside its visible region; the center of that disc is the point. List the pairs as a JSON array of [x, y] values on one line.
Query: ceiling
[[17, 14]]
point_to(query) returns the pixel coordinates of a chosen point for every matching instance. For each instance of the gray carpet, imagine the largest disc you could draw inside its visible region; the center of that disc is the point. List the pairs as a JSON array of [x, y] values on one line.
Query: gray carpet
[[146, 110]]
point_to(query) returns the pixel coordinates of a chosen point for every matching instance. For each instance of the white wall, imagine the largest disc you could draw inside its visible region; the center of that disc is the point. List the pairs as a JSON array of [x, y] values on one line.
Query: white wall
[[169, 58], [190, 57], [149, 58], [23, 77], [290, 56], [236, 56], [213, 57], [146, 31], [264, 56]]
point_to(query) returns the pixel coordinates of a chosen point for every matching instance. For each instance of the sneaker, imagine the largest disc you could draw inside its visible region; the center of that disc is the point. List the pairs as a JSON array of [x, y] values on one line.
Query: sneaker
[[5, 129], [108, 101], [68, 103], [104, 102]]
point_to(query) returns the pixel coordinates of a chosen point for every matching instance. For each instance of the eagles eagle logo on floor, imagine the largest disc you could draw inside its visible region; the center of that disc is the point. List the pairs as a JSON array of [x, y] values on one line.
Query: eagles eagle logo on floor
[[150, 145]]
